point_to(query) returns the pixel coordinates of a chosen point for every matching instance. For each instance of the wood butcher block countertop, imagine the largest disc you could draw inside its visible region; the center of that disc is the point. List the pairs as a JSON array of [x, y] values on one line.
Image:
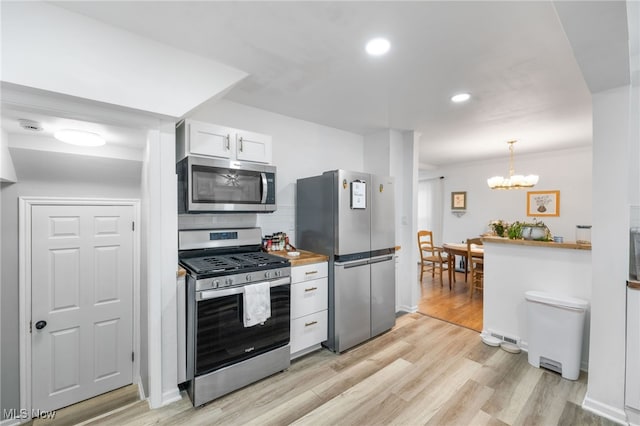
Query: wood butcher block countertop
[[305, 258], [550, 244]]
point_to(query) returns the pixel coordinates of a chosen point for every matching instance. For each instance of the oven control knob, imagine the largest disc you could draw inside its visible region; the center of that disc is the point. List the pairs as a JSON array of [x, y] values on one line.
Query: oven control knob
[[248, 277], [267, 274], [278, 273], [228, 281], [216, 283]]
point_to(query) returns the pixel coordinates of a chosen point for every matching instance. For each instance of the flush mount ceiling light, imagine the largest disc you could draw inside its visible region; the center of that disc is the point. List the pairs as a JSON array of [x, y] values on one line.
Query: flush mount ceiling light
[[377, 46], [513, 181], [79, 137], [460, 97]]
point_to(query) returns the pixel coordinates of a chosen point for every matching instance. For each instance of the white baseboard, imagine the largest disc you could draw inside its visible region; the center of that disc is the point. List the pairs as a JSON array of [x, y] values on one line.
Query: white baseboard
[[170, 396], [633, 416], [13, 422], [141, 394], [603, 410], [408, 309]]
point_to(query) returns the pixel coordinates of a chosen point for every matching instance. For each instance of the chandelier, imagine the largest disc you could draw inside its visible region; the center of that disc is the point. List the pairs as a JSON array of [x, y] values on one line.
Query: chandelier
[[513, 181]]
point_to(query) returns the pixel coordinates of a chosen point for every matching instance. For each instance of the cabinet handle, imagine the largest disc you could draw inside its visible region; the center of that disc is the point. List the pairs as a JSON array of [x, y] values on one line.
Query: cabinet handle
[[311, 289], [240, 140], [228, 145], [311, 272], [307, 324]]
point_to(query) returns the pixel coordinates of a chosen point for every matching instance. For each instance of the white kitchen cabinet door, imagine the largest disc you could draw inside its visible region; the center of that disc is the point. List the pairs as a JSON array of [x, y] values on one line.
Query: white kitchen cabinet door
[[308, 331], [309, 272], [210, 139], [309, 297], [253, 147]]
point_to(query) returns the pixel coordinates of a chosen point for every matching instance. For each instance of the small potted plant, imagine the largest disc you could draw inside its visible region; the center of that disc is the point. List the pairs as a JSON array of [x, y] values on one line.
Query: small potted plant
[[499, 227], [514, 231]]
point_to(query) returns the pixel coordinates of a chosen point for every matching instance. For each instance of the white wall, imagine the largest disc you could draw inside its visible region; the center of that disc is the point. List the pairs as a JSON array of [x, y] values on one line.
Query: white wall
[[101, 60], [300, 149], [511, 270], [394, 153], [54, 175], [568, 171], [610, 241]]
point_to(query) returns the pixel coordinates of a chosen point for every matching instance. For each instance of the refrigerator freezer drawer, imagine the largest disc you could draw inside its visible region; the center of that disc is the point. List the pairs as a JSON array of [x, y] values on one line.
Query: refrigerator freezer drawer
[[352, 300], [632, 391], [383, 296]]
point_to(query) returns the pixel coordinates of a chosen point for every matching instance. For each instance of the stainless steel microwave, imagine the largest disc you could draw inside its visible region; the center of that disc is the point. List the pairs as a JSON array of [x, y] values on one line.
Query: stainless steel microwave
[[208, 185]]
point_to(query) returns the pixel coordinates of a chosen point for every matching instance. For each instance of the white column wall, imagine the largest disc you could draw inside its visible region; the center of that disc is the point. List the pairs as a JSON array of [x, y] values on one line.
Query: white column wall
[[610, 241], [161, 266]]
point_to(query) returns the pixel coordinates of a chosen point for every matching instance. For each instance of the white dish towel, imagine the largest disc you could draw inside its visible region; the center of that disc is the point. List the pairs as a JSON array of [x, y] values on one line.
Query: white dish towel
[[257, 303]]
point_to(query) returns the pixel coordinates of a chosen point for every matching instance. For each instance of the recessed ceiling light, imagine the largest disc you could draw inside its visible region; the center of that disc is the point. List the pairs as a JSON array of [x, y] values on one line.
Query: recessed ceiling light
[[79, 137], [378, 46], [460, 97]]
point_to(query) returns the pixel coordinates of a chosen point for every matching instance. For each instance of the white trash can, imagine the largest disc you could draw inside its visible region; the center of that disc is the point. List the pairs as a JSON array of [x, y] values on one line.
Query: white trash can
[[554, 326]]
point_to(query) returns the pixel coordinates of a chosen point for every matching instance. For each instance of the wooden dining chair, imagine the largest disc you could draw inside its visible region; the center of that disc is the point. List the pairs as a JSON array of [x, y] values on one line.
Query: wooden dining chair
[[432, 258], [476, 267]]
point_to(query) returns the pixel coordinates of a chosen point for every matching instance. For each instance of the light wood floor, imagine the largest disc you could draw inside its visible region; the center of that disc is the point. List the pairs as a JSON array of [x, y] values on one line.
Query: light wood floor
[[452, 305], [424, 371]]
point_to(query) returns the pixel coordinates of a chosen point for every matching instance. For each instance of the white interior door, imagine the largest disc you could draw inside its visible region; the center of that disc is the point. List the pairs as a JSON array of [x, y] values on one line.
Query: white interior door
[[81, 302]]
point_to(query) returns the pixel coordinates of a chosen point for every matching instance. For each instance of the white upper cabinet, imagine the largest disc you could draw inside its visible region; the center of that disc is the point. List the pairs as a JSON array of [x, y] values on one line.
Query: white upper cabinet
[[212, 140], [253, 147], [209, 139]]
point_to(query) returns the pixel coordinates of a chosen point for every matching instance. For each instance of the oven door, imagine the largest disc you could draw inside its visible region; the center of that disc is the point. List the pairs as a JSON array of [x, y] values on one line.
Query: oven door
[[220, 337], [214, 185]]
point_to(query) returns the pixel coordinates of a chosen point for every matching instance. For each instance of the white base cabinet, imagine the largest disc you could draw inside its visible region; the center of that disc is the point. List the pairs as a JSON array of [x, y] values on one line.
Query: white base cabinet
[[309, 304], [212, 140]]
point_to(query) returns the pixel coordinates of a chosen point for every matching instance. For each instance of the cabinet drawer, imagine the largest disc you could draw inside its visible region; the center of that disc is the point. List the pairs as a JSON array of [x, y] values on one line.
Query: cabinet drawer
[[308, 272], [308, 331], [309, 297]]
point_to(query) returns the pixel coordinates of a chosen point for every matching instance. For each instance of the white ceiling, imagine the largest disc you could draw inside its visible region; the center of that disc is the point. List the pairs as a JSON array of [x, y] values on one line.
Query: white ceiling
[[307, 60]]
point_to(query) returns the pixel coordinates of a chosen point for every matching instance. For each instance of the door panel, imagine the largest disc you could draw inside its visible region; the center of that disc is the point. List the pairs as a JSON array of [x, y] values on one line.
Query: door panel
[[354, 225], [383, 222], [383, 296], [352, 305], [82, 286]]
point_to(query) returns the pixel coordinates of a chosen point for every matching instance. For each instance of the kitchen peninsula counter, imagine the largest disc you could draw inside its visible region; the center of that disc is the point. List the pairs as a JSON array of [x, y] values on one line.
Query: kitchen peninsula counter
[[513, 267], [305, 258], [533, 243]]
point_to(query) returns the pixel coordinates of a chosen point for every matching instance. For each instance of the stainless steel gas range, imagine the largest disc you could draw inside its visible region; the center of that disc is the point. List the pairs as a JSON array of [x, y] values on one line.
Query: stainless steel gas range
[[222, 354]]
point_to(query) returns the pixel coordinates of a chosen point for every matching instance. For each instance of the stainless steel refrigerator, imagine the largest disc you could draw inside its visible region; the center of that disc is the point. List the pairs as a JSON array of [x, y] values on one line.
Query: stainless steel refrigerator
[[350, 217]]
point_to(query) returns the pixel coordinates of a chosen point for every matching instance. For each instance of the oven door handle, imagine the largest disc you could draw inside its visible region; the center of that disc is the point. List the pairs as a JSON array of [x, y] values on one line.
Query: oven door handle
[[265, 188], [212, 294]]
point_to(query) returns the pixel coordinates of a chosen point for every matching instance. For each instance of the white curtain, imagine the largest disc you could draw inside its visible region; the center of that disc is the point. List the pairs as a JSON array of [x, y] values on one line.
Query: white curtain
[[431, 206]]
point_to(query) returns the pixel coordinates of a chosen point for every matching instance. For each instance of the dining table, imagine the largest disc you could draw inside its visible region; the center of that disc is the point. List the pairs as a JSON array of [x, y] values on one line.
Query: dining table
[[460, 249]]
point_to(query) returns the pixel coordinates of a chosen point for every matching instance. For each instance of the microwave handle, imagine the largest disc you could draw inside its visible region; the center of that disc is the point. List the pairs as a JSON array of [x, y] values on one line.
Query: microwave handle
[[265, 189]]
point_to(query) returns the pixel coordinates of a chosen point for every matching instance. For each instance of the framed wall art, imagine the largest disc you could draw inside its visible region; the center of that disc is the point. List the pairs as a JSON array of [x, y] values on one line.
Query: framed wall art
[[543, 203], [458, 201]]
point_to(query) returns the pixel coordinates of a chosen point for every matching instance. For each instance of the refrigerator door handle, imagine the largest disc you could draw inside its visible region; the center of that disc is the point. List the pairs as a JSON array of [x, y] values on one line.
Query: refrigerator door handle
[[633, 284], [379, 259], [352, 264]]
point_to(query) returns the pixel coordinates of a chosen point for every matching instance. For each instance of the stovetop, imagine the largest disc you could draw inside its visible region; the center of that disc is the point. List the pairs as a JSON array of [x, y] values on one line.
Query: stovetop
[[233, 263]]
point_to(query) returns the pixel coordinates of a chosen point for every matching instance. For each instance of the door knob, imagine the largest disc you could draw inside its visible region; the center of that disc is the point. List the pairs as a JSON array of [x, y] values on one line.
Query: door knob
[[41, 324]]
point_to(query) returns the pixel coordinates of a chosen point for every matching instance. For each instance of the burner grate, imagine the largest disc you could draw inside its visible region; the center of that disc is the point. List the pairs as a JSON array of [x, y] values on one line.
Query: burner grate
[[233, 262]]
